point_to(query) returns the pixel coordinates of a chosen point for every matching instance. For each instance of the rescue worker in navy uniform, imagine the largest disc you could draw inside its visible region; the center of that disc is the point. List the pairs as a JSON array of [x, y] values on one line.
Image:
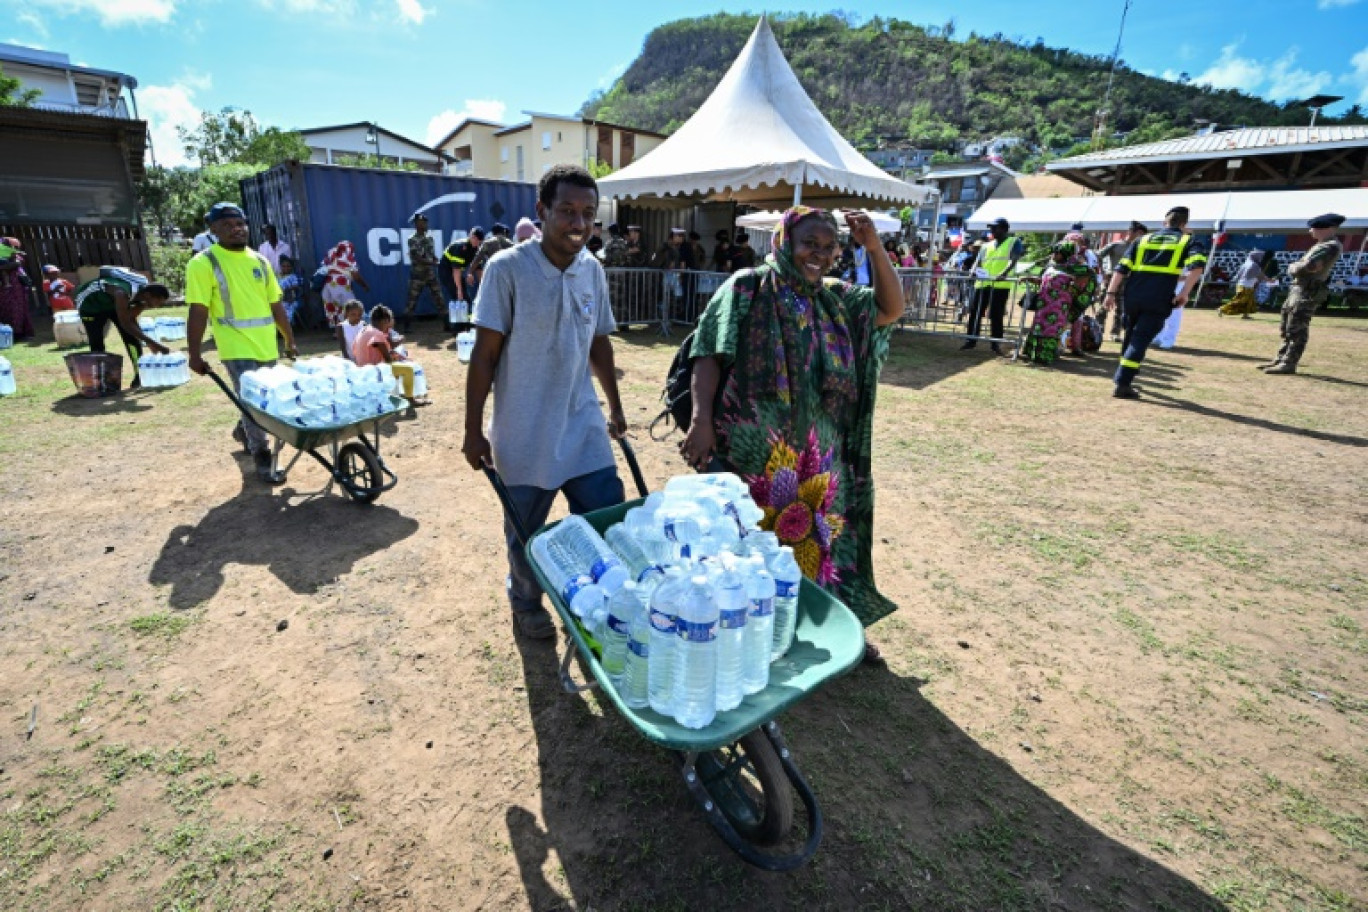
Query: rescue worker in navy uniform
[[1153, 270], [1310, 277], [998, 259]]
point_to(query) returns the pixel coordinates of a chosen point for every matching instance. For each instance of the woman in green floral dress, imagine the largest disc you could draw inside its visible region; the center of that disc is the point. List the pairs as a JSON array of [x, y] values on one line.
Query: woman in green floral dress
[[784, 386]]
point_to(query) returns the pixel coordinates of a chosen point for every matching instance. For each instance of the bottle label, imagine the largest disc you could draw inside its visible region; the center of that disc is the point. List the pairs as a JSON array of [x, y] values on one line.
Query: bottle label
[[761, 607], [662, 622], [669, 532], [619, 625], [641, 649], [600, 567], [654, 568], [735, 514], [732, 618], [785, 589], [574, 586], [697, 631]]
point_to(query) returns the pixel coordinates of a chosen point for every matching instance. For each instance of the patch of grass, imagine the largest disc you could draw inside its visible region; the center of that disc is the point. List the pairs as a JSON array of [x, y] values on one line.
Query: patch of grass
[[1219, 549], [162, 624], [1142, 629]]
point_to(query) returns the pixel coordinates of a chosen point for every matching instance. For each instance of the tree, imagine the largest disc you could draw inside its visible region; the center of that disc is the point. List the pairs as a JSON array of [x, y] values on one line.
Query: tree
[[180, 197], [371, 160], [10, 93], [234, 137], [599, 169]]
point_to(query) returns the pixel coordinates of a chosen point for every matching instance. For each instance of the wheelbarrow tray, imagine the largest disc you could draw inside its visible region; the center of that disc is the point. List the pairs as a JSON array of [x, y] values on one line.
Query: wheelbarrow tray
[[828, 642], [314, 436]]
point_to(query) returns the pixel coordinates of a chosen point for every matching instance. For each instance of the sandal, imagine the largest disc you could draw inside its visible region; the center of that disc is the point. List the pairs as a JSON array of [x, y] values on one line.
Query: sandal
[[872, 655]]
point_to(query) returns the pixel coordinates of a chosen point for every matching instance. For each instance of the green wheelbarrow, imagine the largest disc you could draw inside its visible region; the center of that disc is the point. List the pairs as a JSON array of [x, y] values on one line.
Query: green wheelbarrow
[[738, 768], [355, 465]]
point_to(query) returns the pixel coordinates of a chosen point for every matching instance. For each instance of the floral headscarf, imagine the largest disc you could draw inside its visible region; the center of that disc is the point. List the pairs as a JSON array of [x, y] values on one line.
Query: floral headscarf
[[817, 301]]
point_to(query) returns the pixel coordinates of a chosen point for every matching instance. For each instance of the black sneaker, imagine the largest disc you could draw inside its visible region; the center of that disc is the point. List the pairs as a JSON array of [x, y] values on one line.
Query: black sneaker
[[1125, 392], [240, 435], [534, 623]]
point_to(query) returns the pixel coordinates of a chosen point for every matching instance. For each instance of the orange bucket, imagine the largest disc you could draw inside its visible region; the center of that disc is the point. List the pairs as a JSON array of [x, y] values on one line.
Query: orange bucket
[[95, 374]]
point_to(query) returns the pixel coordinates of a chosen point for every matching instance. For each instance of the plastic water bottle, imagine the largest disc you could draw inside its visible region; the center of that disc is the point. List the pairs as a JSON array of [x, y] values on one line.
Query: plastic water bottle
[[695, 677], [733, 607], [680, 525], [6, 336], [7, 385], [636, 668], [639, 564], [623, 608], [661, 673], [420, 387], [787, 580], [465, 344], [591, 552], [576, 587], [759, 641]]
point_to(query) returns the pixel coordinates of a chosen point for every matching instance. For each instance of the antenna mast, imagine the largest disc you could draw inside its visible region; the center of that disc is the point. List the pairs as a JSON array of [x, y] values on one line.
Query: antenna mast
[[1100, 128]]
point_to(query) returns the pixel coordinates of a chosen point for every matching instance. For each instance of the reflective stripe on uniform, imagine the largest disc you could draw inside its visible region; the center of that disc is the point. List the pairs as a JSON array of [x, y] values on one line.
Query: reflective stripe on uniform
[[997, 259], [1150, 253], [1126, 362], [228, 318]]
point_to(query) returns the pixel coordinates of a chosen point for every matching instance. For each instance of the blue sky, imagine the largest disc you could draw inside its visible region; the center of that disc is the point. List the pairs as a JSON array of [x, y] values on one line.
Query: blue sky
[[418, 66]]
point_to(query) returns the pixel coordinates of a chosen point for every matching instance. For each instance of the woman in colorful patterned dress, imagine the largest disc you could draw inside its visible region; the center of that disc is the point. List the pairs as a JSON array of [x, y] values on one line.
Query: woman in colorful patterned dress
[[783, 389], [1064, 278], [1082, 293], [342, 272]]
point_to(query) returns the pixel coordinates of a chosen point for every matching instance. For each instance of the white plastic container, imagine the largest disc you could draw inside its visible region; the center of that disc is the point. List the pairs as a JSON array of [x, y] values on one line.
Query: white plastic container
[[7, 384], [465, 345], [6, 336]]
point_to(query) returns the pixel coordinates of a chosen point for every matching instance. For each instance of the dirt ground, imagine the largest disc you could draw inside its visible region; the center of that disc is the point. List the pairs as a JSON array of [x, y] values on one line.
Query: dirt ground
[[1129, 671]]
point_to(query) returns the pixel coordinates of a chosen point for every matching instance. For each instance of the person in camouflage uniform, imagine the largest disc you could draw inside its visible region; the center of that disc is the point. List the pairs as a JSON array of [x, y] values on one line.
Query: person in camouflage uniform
[[1310, 286], [497, 242], [422, 269], [638, 256], [615, 252]]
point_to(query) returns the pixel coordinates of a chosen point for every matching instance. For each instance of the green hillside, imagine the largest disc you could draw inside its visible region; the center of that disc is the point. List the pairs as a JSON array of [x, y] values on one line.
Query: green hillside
[[888, 82]]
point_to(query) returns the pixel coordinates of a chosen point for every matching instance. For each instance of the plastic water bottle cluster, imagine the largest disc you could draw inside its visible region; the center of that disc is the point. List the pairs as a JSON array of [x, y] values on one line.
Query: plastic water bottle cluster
[[320, 392], [6, 336], [690, 601], [171, 369], [7, 385], [168, 329]]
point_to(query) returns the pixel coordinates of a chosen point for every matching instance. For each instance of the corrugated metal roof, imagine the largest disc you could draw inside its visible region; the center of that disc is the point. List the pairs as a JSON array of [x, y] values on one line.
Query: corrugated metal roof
[[1225, 144]]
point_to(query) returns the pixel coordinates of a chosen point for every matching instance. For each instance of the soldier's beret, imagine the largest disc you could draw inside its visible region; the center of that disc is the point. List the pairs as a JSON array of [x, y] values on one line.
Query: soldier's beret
[[1329, 220]]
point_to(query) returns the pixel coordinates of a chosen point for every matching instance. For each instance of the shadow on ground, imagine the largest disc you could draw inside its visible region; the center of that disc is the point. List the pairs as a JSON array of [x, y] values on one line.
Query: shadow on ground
[[1207, 411], [918, 815], [128, 402], [304, 544]]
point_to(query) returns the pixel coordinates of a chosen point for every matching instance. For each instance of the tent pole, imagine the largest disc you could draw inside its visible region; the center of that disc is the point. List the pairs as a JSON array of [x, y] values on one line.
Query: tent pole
[[797, 194]]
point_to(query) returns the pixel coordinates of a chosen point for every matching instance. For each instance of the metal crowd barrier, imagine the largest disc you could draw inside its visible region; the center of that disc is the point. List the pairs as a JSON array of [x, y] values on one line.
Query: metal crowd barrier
[[936, 303], [659, 297]]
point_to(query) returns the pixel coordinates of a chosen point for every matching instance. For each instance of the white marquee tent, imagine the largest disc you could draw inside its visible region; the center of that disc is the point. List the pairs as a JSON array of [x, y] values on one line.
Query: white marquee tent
[[759, 140], [1247, 212]]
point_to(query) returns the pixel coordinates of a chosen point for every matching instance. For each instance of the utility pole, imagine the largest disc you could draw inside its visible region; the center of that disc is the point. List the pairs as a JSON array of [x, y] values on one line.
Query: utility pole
[[1100, 128]]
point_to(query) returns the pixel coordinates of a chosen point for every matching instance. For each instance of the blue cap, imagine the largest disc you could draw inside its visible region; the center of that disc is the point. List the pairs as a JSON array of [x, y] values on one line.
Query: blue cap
[[223, 211]]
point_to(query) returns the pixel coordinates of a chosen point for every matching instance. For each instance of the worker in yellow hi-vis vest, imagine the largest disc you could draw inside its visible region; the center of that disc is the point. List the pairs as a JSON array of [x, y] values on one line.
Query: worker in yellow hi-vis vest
[[1160, 270], [995, 268], [233, 288]]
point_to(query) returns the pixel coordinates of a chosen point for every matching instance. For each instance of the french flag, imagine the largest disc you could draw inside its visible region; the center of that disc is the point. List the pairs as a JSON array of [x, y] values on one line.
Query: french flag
[[955, 237]]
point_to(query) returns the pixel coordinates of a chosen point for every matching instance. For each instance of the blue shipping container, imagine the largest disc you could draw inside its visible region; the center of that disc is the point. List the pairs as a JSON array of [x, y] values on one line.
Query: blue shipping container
[[315, 206]]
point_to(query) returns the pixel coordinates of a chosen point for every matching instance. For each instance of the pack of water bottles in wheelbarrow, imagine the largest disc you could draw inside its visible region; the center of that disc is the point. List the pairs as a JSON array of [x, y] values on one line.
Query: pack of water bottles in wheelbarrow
[[700, 628]]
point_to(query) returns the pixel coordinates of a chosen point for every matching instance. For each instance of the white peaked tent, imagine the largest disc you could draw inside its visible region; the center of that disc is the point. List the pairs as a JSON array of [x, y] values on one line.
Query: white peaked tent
[[758, 139]]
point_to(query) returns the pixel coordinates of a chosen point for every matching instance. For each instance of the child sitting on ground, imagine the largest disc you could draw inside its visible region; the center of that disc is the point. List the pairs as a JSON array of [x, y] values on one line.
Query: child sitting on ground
[[350, 326], [373, 346]]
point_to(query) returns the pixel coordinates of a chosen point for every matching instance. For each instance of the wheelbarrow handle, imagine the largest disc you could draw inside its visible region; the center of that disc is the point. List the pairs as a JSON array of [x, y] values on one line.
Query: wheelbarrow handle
[[504, 498], [228, 391], [630, 455]]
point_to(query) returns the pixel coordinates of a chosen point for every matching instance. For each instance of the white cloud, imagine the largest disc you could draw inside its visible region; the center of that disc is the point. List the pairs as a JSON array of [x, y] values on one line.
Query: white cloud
[[1170, 75], [1334, 4], [1359, 77], [1285, 83], [607, 79], [1231, 71], [478, 108], [325, 7], [113, 12], [412, 11], [33, 21], [169, 107]]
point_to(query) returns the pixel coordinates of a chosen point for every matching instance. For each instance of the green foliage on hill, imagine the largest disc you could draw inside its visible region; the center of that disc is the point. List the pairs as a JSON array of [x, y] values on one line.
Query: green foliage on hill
[[888, 82]]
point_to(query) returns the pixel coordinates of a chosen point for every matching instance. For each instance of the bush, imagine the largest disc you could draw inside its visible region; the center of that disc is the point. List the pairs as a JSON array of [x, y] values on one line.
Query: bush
[[168, 264]]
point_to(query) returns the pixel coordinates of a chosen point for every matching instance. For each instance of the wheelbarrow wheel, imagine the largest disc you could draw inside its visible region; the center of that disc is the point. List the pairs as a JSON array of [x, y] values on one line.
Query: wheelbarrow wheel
[[359, 473], [747, 781]]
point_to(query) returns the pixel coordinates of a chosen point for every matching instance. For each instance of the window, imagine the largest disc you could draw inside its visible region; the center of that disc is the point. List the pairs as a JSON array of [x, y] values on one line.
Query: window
[[88, 93], [546, 140], [503, 153]]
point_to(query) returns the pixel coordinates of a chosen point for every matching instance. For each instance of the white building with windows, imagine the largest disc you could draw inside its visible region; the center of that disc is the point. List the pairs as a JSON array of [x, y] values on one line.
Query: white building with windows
[[526, 151], [344, 143]]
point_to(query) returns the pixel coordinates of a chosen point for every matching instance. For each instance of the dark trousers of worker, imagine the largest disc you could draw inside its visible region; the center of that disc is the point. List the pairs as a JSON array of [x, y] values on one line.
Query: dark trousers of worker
[[995, 301], [95, 328], [1141, 328], [585, 493]]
